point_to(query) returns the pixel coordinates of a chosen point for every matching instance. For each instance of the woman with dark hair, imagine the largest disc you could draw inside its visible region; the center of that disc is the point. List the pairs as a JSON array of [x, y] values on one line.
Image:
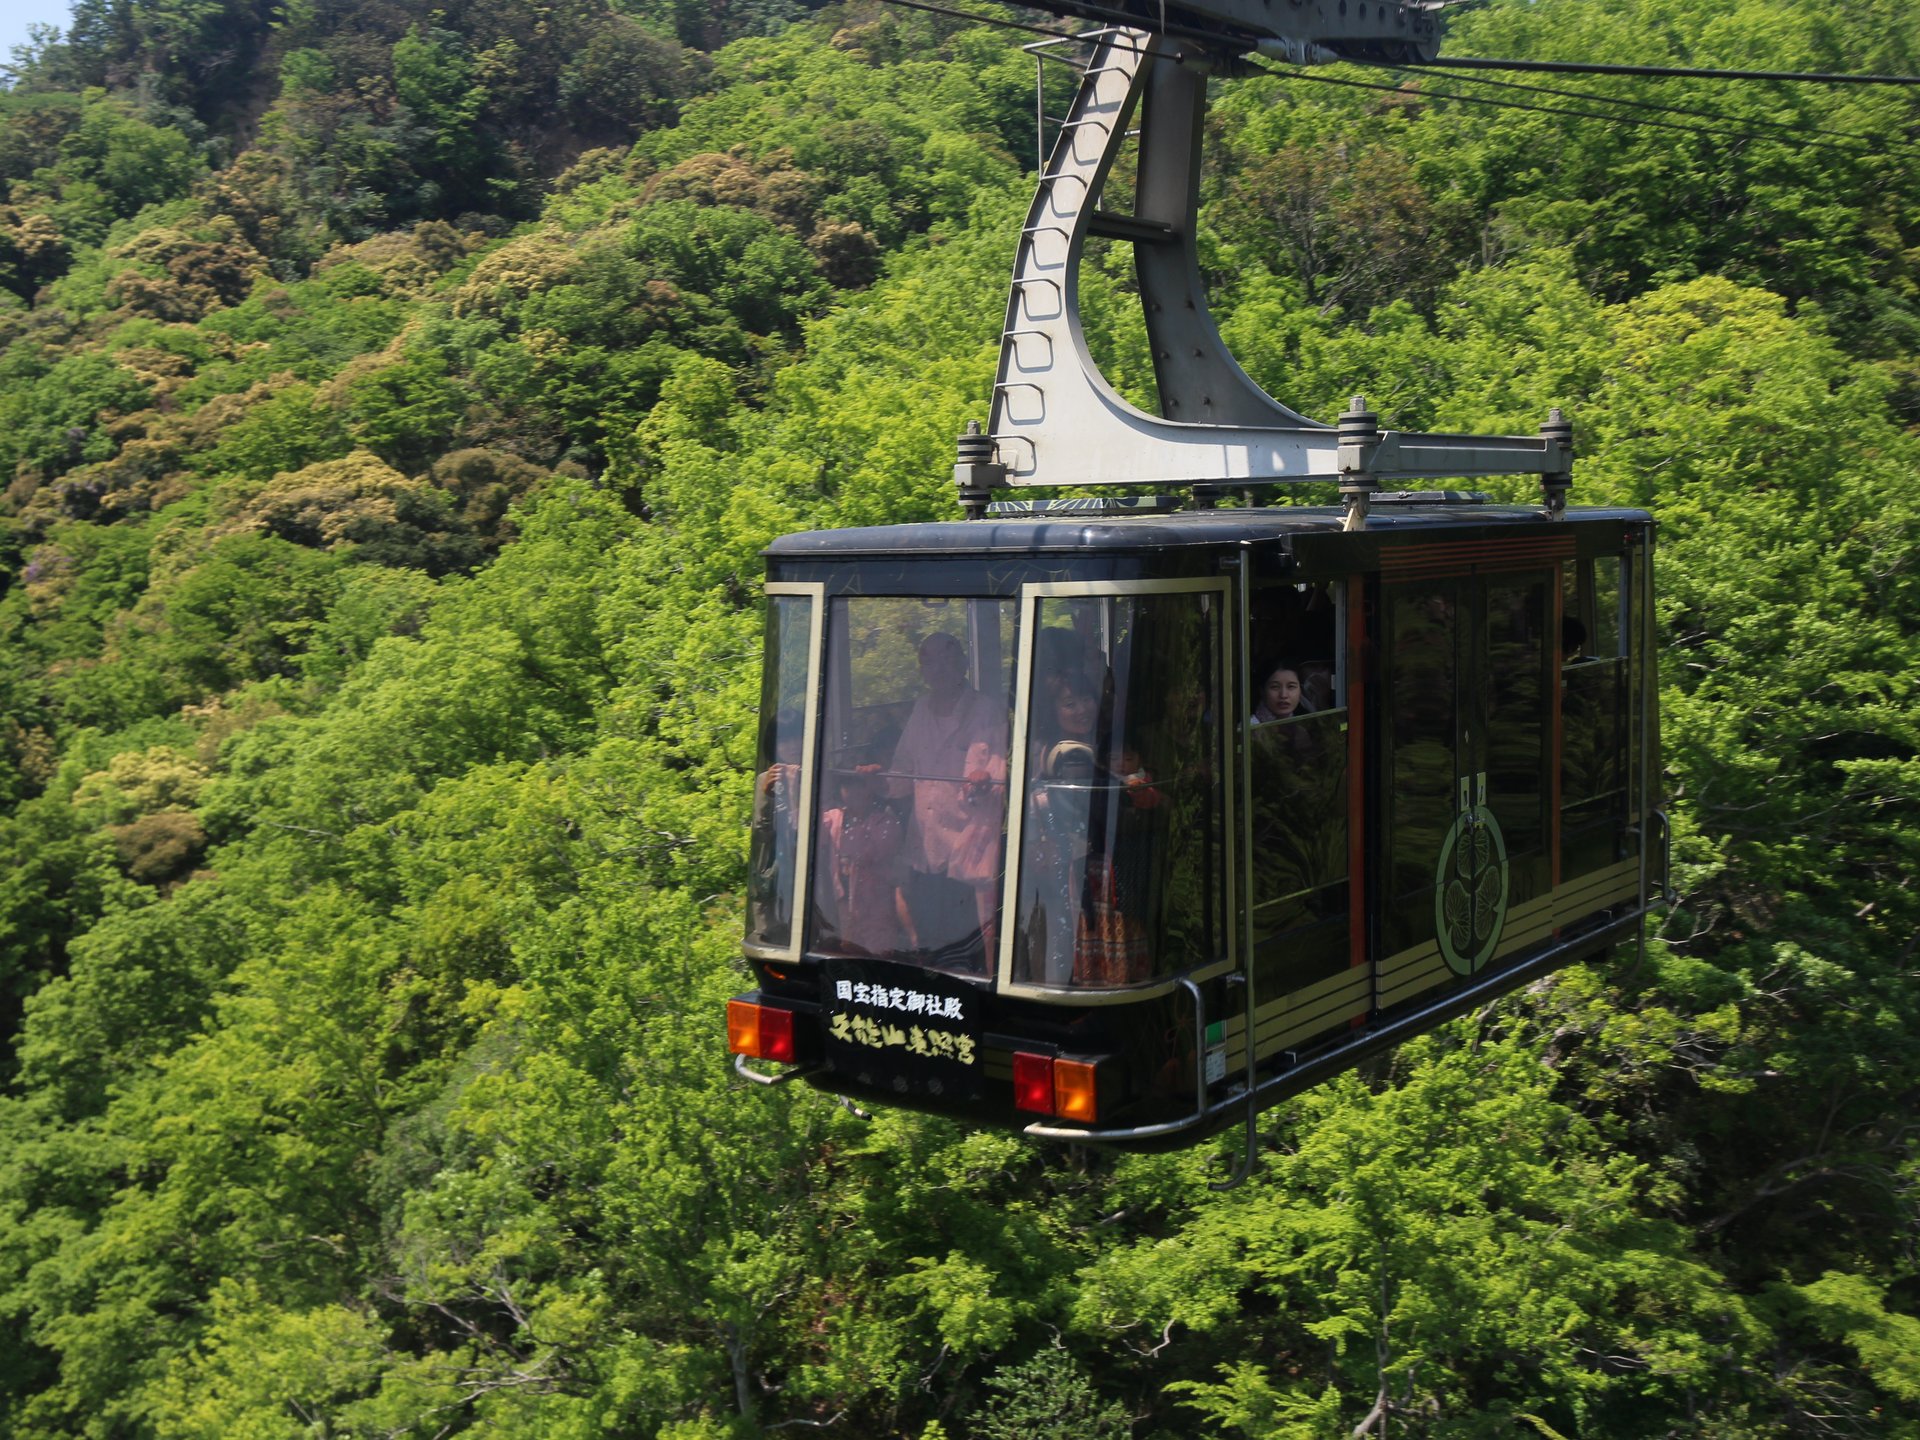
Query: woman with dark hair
[[1281, 695]]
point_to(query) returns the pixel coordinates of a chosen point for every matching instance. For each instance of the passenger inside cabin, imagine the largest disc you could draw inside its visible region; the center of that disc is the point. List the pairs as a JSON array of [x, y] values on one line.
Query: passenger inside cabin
[[1573, 640], [862, 849], [1316, 688], [1078, 745], [1093, 801], [1281, 695], [952, 760], [1060, 655]]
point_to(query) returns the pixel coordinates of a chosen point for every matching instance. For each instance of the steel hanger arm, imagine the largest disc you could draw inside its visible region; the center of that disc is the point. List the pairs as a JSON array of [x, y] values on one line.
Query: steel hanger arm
[[1055, 419]]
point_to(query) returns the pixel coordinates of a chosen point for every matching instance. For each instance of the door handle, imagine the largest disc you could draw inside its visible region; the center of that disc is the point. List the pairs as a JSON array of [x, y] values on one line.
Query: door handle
[[1473, 792]]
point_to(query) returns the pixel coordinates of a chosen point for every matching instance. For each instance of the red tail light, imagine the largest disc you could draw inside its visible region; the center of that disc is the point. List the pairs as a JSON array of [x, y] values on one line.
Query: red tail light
[[759, 1032], [1033, 1082]]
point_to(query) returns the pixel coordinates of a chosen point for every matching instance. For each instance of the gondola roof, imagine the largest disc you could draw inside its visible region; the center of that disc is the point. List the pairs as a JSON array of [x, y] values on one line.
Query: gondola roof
[[1079, 533]]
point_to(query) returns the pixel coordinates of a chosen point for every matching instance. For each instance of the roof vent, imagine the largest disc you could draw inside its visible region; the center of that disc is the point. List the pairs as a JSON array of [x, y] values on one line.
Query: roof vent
[[1096, 505]]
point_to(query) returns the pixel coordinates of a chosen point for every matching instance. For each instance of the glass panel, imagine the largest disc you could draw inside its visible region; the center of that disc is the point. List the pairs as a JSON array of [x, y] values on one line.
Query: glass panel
[[1421, 683], [1645, 658], [1517, 716], [773, 841], [1299, 788], [1641, 756], [913, 806], [1121, 868], [1595, 706], [1299, 839], [1575, 633], [1606, 607], [1592, 720], [1590, 736], [1590, 610], [1419, 673]]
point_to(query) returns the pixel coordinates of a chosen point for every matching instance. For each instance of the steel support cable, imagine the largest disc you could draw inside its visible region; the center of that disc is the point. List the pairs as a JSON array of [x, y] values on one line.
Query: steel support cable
[[1552, 110], [1116, 15], [1637, 104], [1112, 17], [1556, 66], [1572, 67]]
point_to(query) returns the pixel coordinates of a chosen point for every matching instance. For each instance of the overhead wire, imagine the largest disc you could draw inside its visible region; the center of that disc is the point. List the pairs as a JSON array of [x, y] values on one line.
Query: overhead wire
[[1573, 67], [1116, 15], [1653, 105], [1550, 109], [1859, 144], [1107, 15]]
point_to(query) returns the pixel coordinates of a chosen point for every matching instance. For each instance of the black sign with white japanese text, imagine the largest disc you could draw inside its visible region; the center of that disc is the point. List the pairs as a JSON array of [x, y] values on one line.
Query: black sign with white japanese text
[[903, 1029]]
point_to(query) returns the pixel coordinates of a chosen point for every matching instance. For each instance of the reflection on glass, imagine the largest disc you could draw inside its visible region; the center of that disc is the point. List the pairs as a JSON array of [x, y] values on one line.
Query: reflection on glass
[[1421, 704], [1516, 711], [1590, 610], [912, 830], [1595, 715], [1299, 784], [1590, 749], [1299, 836], [1643, 748], [773, 841], [1606, 607], [1121, 851]]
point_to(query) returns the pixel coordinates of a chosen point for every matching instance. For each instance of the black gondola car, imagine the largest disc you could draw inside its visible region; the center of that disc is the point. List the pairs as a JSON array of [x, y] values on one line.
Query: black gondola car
[[1033, 845]]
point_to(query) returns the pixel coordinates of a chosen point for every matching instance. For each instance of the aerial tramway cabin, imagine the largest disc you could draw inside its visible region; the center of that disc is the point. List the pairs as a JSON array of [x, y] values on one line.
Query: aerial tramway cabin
[[1468, 802], [1117, 818]]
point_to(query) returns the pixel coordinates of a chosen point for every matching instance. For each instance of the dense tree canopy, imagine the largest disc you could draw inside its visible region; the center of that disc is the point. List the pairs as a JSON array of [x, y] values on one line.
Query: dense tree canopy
[[395, 399]]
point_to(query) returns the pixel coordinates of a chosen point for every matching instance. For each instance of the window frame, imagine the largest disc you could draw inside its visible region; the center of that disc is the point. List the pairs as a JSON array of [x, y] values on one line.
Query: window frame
[[1228, 784], [816, 592], [1337, 591]]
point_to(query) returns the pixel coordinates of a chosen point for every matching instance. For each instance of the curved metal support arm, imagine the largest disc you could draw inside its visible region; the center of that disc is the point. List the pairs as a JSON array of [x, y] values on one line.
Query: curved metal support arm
[[1056, 420]]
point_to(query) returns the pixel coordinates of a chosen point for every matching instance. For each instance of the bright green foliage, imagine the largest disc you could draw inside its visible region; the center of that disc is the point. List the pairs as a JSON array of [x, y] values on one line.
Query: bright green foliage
[[1048, 1395], [395, 401], [1440, 1276]]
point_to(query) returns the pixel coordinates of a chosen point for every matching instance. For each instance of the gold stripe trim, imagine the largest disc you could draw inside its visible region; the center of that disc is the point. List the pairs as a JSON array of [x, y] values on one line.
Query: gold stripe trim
[[1320, 1006]]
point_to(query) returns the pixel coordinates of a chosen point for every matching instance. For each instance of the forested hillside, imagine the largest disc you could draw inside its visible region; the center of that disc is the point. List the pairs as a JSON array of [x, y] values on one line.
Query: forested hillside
[[394, 401]]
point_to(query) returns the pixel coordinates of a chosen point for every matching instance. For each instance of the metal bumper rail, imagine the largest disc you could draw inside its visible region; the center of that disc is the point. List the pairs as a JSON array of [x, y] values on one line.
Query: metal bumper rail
[[1040, 1130], [1315, 1068]]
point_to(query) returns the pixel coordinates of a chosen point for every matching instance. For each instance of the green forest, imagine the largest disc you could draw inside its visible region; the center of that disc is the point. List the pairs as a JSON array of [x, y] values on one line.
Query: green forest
[[395, 400]]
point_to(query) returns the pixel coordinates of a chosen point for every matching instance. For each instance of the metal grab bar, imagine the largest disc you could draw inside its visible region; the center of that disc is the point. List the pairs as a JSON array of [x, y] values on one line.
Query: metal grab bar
[[1668, 894], [798, 1072]]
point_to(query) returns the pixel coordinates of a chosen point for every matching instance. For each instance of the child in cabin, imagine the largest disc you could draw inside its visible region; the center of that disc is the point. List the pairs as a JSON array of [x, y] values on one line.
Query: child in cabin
[[863, 856]]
